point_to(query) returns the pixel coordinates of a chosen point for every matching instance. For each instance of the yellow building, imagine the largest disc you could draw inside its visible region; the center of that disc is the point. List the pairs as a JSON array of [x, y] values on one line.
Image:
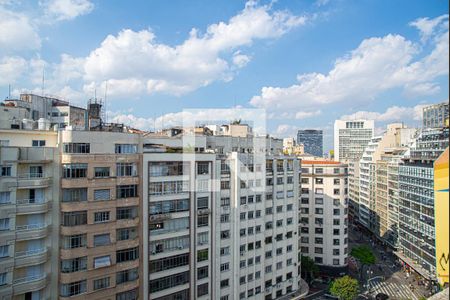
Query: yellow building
[[441, 216]]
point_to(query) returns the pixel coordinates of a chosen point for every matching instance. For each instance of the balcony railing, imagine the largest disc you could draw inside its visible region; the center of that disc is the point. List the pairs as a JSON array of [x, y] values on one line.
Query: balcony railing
[[31, 175], [30, 227], [30, 278], [30, 252], [30, 201]]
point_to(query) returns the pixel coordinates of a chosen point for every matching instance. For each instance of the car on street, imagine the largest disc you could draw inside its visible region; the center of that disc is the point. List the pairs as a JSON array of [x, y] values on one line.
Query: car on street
[[381, 296]]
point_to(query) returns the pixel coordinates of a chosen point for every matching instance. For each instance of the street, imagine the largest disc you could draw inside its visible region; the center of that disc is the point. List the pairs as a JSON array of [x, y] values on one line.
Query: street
[[386, 276]]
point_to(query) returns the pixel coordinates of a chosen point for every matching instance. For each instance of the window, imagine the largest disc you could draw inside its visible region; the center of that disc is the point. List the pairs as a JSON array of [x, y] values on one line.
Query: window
[[304, 180], [319, 230], [202, 272], [128, 295], [76, 148], [74, 195], [101, 283], [5, 171], [225, 202], [336, 221], [336, 191], [319, 180], [336, 181], [126, 169], [126, 148], [335, 231], [74, 218], [318, 250], [318, 201], [126, 191], [202, 289], [224, 251], [74, 288], [224, 283], [4, 251], [319, 170], [3, 278], [38, 143], [319, 191], [102, 261], [279, 265], [126, 234], [304, 239], [101, 216], [101, 172], [336, 170], [126, 213], [127, 255], [336, 202], [225, 234], [335, 251], [202, 202], [73, 241], [202, 255], [127, 275], [318, 260], [202, 220], [319, 211], [168, 206], [74, 264], [170, 262], [102, 195], [318, 240], [102, 239], [305, 191], [174, 168], [5, 197], [75, 170], [335, 242], [336, 211], [304, 249], [203, 168], [169, 281]]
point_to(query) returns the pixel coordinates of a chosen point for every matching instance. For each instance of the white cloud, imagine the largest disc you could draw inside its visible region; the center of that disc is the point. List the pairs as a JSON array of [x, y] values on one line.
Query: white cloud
[[307, 114], [426, 26], [392, 114], [67, 9], [377, 65], [11, 68], [17, 33], [200, 60]]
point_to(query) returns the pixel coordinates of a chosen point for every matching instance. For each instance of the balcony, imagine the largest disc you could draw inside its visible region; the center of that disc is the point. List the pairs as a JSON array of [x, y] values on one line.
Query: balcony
[[29, 284], [32, 206], [31, 231], [32, 180], [36, 155], [31, 257]]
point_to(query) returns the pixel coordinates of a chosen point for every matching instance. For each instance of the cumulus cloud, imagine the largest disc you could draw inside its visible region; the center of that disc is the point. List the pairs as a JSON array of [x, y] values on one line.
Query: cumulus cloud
[[11, 68], [200, 60], [377, 65], [392, 114], [67, 9], [307, 114], [17, 33], [427, 26]]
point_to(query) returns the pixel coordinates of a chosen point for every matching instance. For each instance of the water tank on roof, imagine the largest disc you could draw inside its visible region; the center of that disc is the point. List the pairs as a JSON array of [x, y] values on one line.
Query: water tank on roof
[[27, 124], [43, 124]]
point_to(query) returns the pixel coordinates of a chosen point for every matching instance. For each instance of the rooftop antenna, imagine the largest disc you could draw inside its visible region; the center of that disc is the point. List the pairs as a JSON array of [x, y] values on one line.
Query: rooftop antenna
[[104, 102], [43, 81], [9, 91]]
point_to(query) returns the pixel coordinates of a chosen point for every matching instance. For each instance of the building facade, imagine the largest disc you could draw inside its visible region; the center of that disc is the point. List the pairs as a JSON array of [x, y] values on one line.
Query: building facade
[[324, 214], [435, 116], [351, 139], [312, 141]]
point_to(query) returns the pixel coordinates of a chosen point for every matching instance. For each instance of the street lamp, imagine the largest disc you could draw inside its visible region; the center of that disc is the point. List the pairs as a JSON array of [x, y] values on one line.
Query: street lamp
[[369, 274]]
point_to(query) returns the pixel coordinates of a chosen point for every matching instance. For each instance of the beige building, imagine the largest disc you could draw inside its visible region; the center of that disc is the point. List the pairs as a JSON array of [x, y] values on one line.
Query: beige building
[[323, 223]]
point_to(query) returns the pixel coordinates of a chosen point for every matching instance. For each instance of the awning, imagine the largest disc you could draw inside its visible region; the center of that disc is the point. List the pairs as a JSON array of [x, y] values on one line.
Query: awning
[[419, 269]]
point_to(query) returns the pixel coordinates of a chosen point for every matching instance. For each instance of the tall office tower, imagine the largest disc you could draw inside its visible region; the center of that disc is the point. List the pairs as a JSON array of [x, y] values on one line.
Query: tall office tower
[[323, 214], [350, 141], [312, 141], [373, 205], [416, 201], [29, 198], [99, 219], [219, 225], [435, 116]]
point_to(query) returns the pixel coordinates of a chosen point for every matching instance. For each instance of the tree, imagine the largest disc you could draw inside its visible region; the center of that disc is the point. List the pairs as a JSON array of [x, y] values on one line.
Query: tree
[[345, 288], [365, 256], [309, 268]]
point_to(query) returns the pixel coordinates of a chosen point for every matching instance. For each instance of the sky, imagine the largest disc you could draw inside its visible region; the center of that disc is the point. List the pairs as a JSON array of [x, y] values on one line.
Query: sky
[[306, 63]]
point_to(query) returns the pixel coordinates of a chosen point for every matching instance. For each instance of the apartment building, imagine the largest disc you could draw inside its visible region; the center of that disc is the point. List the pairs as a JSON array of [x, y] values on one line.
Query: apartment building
[[324, 213], [99, 215], [312, 140], [350, 141], [436, 115], [29, 194], [221, 218], [416, 201]]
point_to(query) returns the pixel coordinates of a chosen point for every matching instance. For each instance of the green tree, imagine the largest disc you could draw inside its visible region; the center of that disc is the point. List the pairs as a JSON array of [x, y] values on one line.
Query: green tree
[[345, 288], [309, 268], [365, 256]]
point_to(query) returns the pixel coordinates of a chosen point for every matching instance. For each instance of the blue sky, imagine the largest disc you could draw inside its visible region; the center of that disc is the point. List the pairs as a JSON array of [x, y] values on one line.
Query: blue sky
[[306, 62]]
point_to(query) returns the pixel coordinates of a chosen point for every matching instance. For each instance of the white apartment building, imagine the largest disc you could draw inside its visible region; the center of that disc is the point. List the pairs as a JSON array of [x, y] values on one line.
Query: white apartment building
[[221, 221], [323, 218], [351, 138], [28, 224]]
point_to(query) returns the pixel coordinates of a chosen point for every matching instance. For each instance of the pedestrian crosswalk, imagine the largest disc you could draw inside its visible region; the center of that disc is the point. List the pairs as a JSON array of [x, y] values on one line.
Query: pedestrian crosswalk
[[393, 290]]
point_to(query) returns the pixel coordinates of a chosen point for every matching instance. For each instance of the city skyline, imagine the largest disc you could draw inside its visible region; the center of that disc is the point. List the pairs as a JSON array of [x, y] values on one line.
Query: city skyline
[[292, 59]]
